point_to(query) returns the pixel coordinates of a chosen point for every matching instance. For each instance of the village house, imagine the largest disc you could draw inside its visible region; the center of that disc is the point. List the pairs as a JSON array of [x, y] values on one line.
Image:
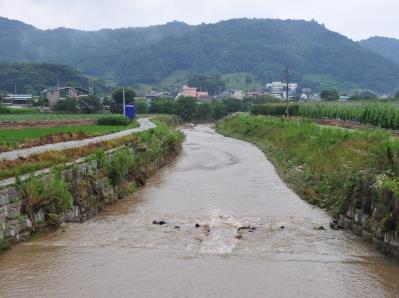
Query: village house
[[279, 89], [187, 91], [17, 99], [255, 94], [56, 93], [155, 95], [232, 93]]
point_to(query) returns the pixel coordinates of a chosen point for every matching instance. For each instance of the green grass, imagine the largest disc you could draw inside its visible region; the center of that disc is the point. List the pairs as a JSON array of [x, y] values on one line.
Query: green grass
[[13, 137], [157, 140], [46, 116], [338, 169], [324, 165], [379, 114]]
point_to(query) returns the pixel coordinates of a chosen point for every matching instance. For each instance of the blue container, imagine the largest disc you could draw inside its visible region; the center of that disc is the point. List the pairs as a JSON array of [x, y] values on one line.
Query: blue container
[[130, 111]]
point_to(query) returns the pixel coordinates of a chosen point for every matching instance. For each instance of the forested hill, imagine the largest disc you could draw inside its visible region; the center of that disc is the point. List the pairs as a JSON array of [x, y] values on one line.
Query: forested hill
[[384, 46], [33, 78], [262, 47]]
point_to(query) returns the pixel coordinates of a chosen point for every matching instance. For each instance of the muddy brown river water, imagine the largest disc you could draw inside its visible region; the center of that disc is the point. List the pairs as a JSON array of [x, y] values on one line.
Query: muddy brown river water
[[220, 182]]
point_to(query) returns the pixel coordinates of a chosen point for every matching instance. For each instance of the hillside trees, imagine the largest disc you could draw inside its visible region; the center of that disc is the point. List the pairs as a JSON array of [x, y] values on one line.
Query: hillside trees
[[329, 94], [117, 96], [258, 47]]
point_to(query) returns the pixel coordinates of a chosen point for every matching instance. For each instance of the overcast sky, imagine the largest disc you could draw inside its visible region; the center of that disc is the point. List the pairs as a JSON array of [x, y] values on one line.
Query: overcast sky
[[356, 19]]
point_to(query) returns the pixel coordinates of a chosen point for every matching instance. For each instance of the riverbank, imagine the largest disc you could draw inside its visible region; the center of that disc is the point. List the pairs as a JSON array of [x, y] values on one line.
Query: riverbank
[[353, 174], [77, 192]]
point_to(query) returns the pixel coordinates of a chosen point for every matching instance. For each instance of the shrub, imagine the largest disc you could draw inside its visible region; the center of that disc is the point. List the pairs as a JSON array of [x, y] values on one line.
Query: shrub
[[117, 120], [7, 110], [329, 94], [141, 107], [117, 166], [186, 108], [89, 104], [48, 194], [274, 109], [162, 106], [66, 105], [4, 110], [4, 245]]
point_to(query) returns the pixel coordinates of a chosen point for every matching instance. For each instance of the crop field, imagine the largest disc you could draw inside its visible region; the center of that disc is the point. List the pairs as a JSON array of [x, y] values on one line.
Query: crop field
[[46, 116], [385, 115], [29, 137]]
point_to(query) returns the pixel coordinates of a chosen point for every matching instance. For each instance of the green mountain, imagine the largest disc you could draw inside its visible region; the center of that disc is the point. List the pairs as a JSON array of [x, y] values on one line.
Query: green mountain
[[259, 47], [384, 46], [33, 78]]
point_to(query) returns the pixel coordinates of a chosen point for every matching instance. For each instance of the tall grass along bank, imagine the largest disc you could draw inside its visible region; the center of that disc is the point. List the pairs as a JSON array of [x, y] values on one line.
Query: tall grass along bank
[[354, 174], [385, 115]]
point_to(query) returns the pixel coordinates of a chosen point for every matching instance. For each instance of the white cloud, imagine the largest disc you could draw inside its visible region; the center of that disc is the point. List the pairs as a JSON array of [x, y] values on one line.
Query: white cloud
[[354, 18]]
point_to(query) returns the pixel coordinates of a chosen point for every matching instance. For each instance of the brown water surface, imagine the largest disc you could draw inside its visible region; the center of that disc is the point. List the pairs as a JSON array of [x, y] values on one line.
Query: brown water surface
[[220, 182]]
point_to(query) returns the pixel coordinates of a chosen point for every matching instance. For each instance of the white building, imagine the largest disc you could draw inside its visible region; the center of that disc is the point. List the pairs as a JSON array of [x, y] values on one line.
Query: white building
[[233, 93], [278, 87], [17, 99]]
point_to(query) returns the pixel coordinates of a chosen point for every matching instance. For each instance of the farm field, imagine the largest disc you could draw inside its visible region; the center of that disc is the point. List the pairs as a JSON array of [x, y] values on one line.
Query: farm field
[[46, 116], [385, 115], [29, 137]]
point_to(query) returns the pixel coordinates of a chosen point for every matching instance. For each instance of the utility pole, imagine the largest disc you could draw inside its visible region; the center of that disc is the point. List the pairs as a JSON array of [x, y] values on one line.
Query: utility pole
[[124, 102], [287, 74]]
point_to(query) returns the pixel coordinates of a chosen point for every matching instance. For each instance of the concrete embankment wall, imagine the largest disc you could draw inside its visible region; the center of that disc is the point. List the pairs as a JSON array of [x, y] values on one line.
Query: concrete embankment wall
[[90, 187]]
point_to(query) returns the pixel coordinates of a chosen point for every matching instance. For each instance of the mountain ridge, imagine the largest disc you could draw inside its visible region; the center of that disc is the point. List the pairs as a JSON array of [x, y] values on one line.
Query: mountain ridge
[[317, 56], [387, 47]]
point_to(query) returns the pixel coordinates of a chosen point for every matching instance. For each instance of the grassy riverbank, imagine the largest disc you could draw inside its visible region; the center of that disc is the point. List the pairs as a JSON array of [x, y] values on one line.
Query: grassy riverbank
[[12, 168], [76, 192], [334, 168]]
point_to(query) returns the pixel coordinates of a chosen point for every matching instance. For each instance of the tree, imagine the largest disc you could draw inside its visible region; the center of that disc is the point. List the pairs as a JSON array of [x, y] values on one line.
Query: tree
[[204, 111], [397, 94], [329, 94], [186, 108], [89, 104], [233, 105], [39, 102], [363, 96], [141, 107], [117, 96], [162, 106], [107, 101], [248, 81], [66, 105], [218, 110], [210, 83]]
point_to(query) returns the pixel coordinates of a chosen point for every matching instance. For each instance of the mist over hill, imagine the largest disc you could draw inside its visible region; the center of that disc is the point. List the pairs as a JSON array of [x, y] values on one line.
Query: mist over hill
[[384, 46], [317, 56]]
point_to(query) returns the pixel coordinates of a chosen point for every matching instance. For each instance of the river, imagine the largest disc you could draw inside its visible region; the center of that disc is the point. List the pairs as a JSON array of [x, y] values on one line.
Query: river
[[221, 184]]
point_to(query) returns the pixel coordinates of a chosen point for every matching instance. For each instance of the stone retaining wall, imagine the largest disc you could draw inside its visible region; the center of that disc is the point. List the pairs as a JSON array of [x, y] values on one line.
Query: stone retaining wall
[[91, 191], [367, 225]]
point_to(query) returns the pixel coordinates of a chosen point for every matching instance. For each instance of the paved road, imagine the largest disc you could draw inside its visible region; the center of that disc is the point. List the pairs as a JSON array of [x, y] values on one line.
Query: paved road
[[145, 124]]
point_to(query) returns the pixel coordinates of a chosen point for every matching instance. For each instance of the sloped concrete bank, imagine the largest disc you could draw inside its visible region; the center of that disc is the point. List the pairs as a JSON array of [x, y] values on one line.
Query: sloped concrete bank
[[35, 205]]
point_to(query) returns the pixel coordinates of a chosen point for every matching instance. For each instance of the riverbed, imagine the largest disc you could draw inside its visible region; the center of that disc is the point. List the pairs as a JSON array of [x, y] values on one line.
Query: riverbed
[[222, 185]]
